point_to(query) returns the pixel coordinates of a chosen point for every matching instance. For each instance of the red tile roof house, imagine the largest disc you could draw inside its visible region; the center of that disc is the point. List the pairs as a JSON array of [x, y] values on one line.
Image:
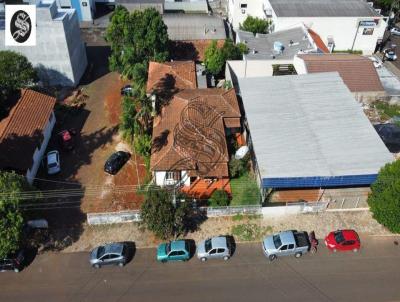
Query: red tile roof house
[[189, 146], [25, 133], [358, 72]]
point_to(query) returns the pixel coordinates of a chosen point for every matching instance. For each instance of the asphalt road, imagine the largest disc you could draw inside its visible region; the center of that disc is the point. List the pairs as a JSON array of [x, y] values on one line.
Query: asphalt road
[[373, 274]]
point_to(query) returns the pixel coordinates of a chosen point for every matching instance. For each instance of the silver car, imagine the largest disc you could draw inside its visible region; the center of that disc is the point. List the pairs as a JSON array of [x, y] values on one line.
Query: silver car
[[216, 247], [113, 253], [53, 162]]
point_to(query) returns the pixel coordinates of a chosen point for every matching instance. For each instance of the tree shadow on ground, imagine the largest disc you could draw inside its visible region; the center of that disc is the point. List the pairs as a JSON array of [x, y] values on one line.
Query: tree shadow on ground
[[97, 57], [183, 50], [131, 250], [164, 90]]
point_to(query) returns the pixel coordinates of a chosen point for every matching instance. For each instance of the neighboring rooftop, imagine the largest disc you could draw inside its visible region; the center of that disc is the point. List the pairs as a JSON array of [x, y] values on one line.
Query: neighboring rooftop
[[284, 44], [174, 75], [22, 131], [357, 72], [189, 134], [309, 131], [322, 8], [194, 27]]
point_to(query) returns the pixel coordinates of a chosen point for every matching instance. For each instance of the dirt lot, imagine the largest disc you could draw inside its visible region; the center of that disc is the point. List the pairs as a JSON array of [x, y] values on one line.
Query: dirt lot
[[322, 223]]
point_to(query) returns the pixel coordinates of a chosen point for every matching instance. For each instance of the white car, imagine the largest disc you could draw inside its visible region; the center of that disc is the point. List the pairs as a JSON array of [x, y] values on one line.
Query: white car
[[53, 162], [377, 62], [390, 55], [395, 31]]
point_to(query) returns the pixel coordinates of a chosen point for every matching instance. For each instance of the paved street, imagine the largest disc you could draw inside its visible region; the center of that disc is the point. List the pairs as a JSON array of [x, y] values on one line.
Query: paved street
[[370, 275]]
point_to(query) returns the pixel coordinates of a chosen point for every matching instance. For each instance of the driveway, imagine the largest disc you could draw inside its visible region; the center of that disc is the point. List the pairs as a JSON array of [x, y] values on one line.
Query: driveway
[[373, 274]]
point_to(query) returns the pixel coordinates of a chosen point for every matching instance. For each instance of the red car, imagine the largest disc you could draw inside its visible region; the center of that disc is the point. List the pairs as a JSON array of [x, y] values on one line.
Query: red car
[[66, 139], [343, 240]]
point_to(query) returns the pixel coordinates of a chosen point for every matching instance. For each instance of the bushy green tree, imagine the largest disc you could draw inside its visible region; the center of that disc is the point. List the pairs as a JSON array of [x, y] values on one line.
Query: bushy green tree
[[142, 144], [219, 198], [11, 221], [215, 57], [160, 216], [16, 72], [384, 201], [127, 123], [238, 167], [255, 25], [136, 38]]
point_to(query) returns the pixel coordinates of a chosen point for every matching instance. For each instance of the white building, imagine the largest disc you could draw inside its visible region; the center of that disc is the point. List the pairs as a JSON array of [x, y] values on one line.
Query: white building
[[25, 133], [238, 10], [59, 54]]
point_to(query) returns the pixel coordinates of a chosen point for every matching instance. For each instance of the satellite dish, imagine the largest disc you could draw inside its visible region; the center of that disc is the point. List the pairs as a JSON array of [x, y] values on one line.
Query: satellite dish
[[241, 152]]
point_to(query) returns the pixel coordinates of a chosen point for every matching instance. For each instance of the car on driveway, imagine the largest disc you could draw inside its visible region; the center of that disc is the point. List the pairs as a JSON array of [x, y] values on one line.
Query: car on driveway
[[116, 161], [113, 253], [390, 54], [214, 248], [343, 240], [13, 262], [177, 250], [395, 31], [53, 162]]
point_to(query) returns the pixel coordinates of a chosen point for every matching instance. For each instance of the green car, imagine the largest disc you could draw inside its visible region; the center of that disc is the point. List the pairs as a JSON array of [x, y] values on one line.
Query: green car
[[173, 251]]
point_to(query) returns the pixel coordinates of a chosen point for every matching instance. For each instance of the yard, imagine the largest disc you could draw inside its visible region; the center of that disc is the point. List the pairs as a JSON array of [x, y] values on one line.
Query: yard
[[245, 191]]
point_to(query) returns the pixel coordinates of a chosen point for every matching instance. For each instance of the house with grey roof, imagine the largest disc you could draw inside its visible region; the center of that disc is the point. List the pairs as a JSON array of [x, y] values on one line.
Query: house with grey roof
[[308, 131]]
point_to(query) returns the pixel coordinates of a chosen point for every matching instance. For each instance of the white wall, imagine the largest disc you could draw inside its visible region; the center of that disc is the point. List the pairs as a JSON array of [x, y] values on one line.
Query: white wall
[[299, 65], [39, 152], [342, 29], [254, 9], [159, 178]]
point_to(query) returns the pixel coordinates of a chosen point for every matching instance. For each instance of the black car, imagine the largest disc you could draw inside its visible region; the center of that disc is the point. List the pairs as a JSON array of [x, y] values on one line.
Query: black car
[[127, 90], [116, 161], [13, 262]]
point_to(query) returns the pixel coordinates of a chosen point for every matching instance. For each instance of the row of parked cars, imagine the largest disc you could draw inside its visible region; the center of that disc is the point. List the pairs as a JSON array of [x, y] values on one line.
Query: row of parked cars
[[222, 247]]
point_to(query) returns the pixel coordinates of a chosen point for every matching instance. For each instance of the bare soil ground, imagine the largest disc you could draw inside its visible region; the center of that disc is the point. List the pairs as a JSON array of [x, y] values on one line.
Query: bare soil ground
[[321, 223]]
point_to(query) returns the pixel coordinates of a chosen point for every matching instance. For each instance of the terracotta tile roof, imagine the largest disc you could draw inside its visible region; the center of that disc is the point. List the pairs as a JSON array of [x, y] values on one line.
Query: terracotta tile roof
[[171, 75], [318, 41], [357, 72], [191, 49], [189, 133], [22, 131]]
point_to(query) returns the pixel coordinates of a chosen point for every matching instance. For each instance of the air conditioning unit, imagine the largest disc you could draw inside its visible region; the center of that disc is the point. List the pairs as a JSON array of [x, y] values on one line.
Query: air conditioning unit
[[243, 11]]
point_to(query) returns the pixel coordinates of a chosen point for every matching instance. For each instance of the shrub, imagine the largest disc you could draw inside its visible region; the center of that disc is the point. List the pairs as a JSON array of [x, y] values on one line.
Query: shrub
[[219, 198], [255, 25]]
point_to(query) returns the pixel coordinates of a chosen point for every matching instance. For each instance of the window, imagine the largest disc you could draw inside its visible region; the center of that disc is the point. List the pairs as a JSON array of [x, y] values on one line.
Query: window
[[113, 256], [349, 242], [291, 247], [284, 247], [243, 5], [173, 254], [208, 245], [339, 238], [368, 31], [220, 251], [212, 252], [277, 241], [106, 257], [169, 175]]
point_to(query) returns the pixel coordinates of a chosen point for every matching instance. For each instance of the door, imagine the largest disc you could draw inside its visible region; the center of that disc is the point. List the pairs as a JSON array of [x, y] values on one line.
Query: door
[[221, 252], [176, 255], [348, 245], [283, 250], [213, 253]]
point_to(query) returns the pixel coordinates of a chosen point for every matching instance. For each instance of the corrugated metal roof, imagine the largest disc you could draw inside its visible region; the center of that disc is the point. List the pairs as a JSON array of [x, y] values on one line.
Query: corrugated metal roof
[[310, 126], [322, 8], [261, 47], [194, 27]]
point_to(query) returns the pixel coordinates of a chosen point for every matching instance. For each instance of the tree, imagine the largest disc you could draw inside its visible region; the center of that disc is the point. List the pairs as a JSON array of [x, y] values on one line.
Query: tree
[[215, 57], [255, 25], [160, 216], [219, 198], [16, 72], [136, 38], [127, 124], [11, 222], [384, 201]]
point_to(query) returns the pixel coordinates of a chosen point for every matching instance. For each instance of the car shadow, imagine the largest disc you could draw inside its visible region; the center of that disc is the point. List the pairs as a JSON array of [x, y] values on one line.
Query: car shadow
[[29, 255], [192, 247], [231, 241], [131, 250]]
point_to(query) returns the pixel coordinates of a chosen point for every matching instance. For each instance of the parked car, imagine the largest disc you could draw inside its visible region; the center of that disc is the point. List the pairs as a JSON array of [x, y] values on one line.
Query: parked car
[[213, 248], [390, 55], [177, 250], [13, 262], [377, 62], [113, 253], [343, 240], [395, 31], [66, 138], [53, 162], [116, 161], [288, 243], [127, 90]]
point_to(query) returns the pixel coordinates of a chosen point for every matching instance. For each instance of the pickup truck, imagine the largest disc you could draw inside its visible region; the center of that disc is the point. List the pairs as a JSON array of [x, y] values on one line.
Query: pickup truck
[[288, 243]]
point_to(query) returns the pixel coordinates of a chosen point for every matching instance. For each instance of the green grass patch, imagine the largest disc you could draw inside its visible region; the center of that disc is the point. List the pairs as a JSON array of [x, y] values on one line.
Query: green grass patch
[[245, 191], [250, 231], [386, 110]]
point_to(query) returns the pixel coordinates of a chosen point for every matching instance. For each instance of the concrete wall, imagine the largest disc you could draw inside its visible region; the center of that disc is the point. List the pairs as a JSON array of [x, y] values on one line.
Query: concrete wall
[[59, 54], [236, 15], [343, 30], [39, 152]]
